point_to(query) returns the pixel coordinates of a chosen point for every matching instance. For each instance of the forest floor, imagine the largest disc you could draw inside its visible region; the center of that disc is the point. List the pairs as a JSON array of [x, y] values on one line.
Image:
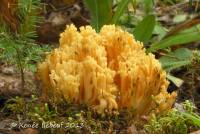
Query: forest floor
[[28, 107]]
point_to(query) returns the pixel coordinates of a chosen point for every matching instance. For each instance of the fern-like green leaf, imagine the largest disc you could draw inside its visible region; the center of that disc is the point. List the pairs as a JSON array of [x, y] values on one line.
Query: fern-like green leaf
[[28, 10]]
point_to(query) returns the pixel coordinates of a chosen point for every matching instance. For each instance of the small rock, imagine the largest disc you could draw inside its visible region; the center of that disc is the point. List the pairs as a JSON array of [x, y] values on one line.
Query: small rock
[[179, 107], [8, 70], [9, 85]]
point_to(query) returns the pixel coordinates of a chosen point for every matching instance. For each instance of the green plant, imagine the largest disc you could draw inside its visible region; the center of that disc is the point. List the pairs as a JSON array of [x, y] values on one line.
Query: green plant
[[190, 114], [16, 105], [102, 12], [143, 31], [19, 48], [169, 59], [169, 123], [178, 58], [181, 38], [196, 56], [42, 113], [174, 121]]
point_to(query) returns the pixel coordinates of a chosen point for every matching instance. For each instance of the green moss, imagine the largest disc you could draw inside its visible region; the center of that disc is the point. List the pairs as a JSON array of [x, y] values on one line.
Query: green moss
[[80, 119], [174, 121]]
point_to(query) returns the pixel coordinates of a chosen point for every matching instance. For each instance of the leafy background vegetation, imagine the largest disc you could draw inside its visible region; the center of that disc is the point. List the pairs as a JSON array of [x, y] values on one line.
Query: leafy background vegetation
[[170, 45]]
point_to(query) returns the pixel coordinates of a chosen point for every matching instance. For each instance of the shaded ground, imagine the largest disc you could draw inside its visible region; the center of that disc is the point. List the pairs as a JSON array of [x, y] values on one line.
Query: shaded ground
[[55, 20]]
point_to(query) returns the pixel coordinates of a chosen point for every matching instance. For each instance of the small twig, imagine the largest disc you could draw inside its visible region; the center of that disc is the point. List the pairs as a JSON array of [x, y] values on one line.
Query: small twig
[[21, 69], [170, 56], [183, 26]]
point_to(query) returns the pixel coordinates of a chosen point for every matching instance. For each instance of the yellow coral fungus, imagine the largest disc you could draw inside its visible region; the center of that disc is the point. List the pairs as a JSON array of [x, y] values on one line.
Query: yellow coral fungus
[[106, 70]]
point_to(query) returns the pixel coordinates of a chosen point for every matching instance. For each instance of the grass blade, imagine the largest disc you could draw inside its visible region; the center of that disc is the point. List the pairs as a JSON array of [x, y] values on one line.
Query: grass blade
[[187, 36], [194, 119], [101, 11], [120, 10]]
